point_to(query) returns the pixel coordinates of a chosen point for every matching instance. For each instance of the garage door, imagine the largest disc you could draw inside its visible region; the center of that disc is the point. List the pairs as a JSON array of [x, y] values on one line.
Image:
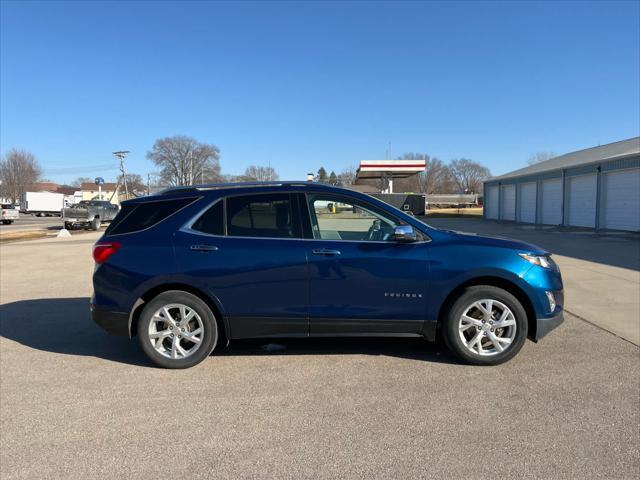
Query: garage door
[[552, 202], [582, 201], [527, 203], [621, 200], [491, 202], [509, 202]]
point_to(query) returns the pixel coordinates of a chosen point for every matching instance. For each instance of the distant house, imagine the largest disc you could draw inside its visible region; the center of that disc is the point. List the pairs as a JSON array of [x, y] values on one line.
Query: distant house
[[42, 187], [67, 189], [110, 192]]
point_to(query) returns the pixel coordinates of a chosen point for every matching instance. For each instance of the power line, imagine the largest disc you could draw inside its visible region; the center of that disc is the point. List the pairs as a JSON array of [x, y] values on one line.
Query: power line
[[83, 169]]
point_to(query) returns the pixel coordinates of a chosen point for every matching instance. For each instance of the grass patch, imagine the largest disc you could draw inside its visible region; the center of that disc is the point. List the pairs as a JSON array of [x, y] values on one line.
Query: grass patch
[[28, 235]]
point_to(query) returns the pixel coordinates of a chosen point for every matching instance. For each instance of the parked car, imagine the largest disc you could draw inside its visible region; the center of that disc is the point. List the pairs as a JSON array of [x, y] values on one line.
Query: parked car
[[89, 213], [8, 213], [194, 268]]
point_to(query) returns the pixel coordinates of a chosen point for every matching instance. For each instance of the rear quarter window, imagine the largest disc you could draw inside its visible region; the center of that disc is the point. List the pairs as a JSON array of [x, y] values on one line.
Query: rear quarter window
[[140, 216]]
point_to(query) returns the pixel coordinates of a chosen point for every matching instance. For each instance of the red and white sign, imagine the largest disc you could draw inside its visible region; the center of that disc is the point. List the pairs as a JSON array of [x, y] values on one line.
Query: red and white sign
[[393, 166]]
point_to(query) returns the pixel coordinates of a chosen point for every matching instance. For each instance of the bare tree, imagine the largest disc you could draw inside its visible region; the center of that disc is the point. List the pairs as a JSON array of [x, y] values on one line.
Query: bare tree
[[468, 175], [18, 169], [347, 176], [256, 173], [185, 161], [80, 180], [435, 179], [540, 157], [135, 183]]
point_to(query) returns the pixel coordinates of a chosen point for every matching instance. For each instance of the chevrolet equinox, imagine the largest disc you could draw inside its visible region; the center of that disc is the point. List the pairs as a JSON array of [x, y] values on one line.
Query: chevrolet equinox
[[193, 268]]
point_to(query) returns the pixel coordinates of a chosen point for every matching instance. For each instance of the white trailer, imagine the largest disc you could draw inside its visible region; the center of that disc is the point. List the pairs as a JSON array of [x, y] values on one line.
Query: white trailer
[[42, 203]]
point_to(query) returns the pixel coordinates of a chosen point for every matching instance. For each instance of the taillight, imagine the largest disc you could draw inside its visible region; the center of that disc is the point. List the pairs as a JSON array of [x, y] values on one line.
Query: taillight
[[103, 251]]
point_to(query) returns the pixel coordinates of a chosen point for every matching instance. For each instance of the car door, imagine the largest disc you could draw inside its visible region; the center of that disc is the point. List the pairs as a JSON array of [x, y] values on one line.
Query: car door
[[247, 252], [361, 281]]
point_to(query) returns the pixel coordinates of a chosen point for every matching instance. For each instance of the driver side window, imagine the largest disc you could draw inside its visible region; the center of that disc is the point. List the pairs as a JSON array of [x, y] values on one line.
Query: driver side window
[[339, 218]]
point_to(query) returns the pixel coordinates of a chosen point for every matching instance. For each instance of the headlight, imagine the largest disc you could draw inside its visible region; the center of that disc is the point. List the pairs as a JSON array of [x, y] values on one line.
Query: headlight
[[540, 260]]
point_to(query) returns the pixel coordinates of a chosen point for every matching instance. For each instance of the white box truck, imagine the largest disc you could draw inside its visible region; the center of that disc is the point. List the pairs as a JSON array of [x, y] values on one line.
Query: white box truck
[[42, 204]]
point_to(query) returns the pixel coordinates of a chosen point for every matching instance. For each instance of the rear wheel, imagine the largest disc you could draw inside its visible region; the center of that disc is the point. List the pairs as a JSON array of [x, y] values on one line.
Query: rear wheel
[[95, 224], [486, 326], [7, 222], [177, 330]]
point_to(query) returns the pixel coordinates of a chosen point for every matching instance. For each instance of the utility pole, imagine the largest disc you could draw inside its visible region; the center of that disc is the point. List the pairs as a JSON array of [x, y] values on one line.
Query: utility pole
[[121, 156], [148, 184]]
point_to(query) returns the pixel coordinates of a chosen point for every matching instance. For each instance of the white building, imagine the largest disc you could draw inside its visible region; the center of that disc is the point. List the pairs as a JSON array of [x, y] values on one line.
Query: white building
[[596, 188]]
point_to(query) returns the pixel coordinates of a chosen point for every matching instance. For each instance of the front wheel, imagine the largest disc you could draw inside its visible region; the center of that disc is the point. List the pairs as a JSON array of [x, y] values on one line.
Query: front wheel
[[486, 326], [177, 330]]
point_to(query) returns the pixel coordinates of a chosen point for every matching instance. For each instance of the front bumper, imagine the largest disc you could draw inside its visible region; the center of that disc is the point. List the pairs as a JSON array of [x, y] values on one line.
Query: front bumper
[[116, 323], [545, 325]]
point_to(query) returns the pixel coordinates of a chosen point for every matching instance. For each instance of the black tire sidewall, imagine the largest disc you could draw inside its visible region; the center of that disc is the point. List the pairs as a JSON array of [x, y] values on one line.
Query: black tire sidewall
[[471, 295], [210, 338]]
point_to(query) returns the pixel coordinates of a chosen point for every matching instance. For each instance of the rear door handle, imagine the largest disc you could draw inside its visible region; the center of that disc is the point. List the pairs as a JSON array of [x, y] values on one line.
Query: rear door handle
[[204, 248], [326, 251]]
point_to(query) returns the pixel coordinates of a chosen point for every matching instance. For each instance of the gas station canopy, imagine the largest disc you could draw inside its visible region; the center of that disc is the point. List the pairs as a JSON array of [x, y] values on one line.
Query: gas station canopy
[[389, 170]]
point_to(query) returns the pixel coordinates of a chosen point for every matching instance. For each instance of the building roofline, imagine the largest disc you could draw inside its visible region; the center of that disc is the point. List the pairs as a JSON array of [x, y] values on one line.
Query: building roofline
[[532, 171]]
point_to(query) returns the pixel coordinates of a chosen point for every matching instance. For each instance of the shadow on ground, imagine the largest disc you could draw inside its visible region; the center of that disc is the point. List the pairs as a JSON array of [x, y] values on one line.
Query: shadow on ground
[[64, 326], [618, 249]]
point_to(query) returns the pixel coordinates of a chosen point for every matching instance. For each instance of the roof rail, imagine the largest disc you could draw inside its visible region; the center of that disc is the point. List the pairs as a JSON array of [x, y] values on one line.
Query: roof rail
[[220, 186]]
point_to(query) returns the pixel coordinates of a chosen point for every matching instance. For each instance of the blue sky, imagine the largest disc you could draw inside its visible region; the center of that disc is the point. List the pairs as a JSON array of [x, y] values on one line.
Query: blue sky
[[305, 84]]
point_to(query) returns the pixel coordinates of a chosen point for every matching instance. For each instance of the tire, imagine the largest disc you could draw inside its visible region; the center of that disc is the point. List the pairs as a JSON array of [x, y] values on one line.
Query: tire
[[68, 226], [472, 338], [7, 222], [203, 318], [95, 224]]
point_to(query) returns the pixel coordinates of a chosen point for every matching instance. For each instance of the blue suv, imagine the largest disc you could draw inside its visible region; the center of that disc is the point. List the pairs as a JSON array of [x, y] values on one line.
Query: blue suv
[[193, 268]]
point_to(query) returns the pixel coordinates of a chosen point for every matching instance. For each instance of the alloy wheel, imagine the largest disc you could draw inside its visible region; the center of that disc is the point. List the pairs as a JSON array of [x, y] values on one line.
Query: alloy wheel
[[487, 327], [176, 331]]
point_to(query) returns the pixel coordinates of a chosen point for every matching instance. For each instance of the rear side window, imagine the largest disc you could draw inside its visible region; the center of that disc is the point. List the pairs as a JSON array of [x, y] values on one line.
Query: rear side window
[[211, 221], [266, 215], [140, 216]]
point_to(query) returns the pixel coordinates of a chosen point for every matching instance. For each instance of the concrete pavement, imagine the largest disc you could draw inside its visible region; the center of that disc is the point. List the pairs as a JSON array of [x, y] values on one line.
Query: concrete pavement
[[78, 403]]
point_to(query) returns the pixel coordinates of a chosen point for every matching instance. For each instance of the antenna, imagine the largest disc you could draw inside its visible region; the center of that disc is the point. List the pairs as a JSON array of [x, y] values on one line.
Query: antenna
[[121, 156]]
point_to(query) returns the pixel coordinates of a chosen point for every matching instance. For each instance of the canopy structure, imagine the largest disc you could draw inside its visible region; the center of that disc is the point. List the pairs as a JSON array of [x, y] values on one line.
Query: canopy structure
[[388, 170]]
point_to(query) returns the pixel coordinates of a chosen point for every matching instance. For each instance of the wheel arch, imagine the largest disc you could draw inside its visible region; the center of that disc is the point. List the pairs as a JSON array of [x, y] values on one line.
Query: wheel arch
[[492, 281], [158, 289]]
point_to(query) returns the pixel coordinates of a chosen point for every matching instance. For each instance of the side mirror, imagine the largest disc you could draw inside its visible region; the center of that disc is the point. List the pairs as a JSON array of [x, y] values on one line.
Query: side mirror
[[405, 234]]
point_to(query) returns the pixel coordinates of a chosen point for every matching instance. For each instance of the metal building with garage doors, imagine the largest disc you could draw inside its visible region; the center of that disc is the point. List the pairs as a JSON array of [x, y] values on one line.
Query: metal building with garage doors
[[594, 188]]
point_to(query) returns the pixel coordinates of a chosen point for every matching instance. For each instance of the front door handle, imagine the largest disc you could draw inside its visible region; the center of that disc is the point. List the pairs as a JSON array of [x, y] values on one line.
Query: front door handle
[[204, 248], [326, 251]]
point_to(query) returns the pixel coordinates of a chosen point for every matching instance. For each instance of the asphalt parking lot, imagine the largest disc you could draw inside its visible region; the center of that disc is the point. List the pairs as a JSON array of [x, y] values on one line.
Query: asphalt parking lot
[[77, 403], [29, 222]]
